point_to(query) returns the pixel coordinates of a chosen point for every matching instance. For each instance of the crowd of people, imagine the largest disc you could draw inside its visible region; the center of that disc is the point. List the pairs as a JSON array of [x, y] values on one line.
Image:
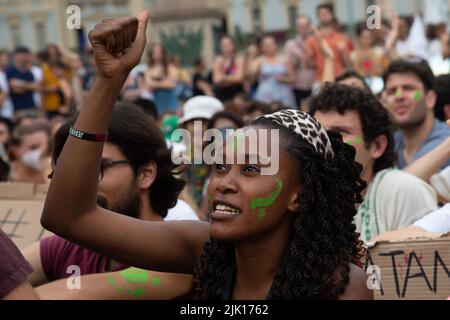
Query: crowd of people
[[364, 156]]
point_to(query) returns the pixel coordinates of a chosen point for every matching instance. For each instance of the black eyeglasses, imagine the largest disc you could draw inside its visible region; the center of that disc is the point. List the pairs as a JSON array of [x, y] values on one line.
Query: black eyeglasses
[[104, 164]]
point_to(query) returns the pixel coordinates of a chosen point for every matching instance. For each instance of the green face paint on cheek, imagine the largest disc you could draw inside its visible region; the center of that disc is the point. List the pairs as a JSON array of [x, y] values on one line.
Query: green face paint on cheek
[[418, 95], [135, 275], [267, 202], [358, 140]]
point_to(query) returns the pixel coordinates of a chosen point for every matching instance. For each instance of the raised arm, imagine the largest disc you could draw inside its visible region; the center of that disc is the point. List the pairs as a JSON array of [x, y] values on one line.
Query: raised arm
[[71, 209]]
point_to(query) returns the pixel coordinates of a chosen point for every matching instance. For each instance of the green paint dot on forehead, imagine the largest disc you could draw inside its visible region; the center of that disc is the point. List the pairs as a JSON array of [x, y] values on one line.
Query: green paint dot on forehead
[[135, 275]]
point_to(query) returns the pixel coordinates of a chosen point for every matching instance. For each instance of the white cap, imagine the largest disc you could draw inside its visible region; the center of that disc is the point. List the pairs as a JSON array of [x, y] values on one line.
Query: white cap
[[201, 107]]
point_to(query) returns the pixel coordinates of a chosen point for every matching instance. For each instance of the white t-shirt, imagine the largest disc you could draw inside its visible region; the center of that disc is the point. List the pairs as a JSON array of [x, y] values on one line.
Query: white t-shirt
[[437, 221], [181, 211], [395, 199], [7, 108], [38, 77]]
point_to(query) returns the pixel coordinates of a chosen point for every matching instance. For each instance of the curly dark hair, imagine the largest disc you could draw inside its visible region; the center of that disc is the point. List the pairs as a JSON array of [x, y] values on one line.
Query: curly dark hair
[[316, 263], [373, 116], [140, 140]]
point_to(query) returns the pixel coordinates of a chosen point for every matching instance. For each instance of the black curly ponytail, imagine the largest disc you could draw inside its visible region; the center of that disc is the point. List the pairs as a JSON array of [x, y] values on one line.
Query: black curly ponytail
[[316, 263]]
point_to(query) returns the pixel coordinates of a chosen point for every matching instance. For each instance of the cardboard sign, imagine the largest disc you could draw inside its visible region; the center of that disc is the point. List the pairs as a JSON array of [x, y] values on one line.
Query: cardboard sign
[[416, 269], [21, 207]]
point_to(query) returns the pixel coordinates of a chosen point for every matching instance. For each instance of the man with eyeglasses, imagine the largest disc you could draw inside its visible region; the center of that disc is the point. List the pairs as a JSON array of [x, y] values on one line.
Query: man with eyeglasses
[[136, 179]]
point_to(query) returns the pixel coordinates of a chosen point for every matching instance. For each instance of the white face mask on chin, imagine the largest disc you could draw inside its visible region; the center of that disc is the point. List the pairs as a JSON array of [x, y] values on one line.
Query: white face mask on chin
[[32, 159]]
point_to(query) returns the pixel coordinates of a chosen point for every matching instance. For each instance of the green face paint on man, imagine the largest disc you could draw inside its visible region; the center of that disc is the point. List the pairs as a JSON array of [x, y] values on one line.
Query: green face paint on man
[[358, 140], [268, 201], [418, 95]]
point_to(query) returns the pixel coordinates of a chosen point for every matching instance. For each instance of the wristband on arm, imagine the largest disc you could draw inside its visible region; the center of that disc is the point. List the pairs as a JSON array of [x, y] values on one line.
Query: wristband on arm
[[87, 136]]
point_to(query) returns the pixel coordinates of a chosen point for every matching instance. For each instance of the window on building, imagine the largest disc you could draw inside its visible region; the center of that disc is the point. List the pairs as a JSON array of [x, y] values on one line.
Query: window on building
[[257, 16], [16, 36], [41, 37], [292, 15]]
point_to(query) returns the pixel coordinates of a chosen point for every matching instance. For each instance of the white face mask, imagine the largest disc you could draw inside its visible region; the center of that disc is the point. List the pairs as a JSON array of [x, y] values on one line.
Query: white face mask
[[32, 159]]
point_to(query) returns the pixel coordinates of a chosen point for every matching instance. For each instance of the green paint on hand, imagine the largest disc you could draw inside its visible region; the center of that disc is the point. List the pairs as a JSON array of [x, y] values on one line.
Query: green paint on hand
[[111, 280], [156, 281], [418, 95], [135, 275], [238, 139], [270, 200], [121, 289]]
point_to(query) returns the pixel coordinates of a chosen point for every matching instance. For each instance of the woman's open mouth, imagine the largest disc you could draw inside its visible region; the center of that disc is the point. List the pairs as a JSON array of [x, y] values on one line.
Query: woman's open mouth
[[224, 209]]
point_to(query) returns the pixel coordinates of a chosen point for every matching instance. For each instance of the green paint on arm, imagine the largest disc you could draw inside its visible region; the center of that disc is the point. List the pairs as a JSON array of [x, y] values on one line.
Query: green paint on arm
[[418, 95], [138, 292], [156, 281], [135, 275], [270, 200], [111, 280]]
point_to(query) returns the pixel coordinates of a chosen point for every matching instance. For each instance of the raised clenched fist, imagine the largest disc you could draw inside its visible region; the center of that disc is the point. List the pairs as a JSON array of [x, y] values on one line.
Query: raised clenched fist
[[118, 45]]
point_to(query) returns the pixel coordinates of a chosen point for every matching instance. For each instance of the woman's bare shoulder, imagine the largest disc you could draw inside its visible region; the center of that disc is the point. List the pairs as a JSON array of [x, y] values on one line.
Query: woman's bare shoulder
[[357, 288]]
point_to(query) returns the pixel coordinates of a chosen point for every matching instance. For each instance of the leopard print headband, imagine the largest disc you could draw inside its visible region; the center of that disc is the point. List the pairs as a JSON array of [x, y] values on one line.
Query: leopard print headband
[[305, 126]]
